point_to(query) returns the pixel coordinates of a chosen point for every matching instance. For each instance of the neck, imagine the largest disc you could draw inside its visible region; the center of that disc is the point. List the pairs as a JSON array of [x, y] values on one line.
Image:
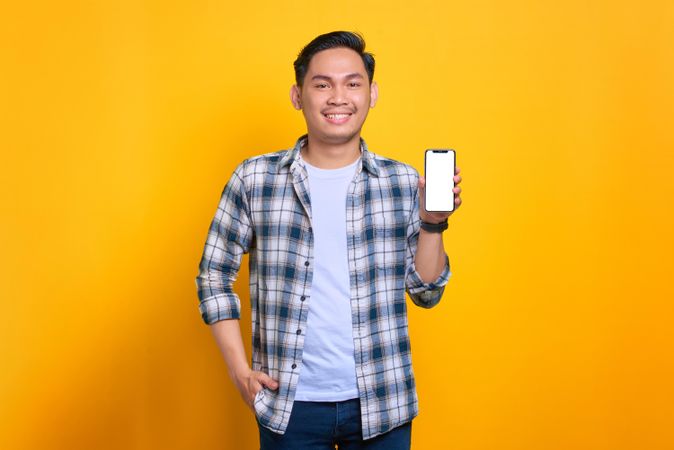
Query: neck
[[331, 156]]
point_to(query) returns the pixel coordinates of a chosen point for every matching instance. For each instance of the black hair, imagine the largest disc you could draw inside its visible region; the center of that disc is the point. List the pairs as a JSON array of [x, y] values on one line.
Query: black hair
[[334, 39]]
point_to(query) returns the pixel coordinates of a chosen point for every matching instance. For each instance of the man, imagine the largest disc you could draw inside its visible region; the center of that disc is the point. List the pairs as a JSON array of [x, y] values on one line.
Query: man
[[334, 242]]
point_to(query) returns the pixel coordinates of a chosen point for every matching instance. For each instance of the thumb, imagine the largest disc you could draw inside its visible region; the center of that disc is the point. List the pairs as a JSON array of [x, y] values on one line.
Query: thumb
[[422, 182], [268, 381]]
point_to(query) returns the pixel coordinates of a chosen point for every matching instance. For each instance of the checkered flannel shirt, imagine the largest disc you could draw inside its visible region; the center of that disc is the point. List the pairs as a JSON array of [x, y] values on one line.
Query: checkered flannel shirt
[[265, 211]]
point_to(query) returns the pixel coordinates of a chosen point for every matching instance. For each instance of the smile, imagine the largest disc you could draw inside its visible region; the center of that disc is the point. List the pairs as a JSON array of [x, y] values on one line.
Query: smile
[[337, 118]]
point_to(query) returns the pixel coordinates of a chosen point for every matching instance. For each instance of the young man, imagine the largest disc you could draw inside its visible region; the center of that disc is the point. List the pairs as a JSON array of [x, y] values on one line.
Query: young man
[[336, 235]]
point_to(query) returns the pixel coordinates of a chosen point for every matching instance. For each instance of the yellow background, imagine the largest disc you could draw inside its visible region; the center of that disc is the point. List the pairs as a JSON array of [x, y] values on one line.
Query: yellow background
[[121, 121]]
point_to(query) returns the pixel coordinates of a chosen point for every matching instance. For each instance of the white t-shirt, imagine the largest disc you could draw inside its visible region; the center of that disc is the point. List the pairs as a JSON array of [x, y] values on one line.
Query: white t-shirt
[[328, 370]]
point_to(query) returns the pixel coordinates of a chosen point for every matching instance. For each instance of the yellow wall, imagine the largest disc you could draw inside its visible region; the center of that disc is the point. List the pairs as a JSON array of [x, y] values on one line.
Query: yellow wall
[[122, 120]]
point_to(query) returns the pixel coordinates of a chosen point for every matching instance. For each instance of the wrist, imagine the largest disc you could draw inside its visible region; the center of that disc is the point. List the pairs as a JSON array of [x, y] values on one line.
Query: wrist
[[241, 374], [434, 227]]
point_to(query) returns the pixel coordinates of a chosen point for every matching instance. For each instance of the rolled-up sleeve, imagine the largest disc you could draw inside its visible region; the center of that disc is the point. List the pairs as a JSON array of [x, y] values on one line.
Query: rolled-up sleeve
[[422, 294], [230, 236]]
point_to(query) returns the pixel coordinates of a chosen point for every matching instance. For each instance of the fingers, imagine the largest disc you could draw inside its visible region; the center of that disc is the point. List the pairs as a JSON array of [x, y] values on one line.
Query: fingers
[[267, 381], [456, 189], [255, 383], [258, 381]]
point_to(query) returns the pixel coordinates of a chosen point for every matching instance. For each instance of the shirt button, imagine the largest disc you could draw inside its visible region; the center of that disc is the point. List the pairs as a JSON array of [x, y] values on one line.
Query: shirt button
[[299, 331], [303, 298], [293, 366], [306, 263]]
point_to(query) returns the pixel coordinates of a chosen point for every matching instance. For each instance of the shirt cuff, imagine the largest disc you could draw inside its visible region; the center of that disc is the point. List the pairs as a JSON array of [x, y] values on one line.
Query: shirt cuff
[[424, 294], [220, 307]]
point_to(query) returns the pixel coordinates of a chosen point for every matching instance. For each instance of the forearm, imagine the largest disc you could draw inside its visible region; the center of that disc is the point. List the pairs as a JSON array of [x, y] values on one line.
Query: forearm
[[430, 256], [227, 334]]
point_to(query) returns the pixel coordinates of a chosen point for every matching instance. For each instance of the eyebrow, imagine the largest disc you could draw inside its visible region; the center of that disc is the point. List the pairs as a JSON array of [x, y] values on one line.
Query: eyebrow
[[325, 77]]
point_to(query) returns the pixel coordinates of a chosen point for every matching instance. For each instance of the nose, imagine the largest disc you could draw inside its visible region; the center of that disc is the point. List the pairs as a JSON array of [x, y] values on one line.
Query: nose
[[338, 97]]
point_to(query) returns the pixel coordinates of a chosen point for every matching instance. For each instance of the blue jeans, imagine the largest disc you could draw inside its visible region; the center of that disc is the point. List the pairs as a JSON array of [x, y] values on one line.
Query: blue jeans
[[322, 425]]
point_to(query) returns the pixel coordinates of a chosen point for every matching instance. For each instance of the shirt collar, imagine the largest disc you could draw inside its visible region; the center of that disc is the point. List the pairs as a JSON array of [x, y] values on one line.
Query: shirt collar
[[292, 156]]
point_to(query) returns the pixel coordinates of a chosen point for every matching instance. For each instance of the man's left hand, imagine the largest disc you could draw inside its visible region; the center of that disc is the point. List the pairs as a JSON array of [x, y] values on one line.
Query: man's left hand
[[437, 217]]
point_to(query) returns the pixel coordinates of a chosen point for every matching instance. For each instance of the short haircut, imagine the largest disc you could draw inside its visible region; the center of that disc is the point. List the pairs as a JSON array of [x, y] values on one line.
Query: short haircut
[[334, 39]]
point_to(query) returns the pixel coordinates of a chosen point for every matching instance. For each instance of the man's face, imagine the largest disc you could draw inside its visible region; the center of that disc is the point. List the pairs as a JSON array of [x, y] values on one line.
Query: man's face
[[336, 95]]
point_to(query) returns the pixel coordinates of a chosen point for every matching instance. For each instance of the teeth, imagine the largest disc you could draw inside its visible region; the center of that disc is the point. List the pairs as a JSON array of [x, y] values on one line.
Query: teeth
[[336, 116]]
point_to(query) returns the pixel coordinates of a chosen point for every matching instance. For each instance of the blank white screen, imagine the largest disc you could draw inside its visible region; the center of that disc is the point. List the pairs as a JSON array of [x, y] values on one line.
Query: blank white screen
[[439, 181]]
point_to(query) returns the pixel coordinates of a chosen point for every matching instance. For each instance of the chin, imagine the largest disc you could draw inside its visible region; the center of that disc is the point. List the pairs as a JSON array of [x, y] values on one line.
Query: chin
[[341, 132], [342, 137]]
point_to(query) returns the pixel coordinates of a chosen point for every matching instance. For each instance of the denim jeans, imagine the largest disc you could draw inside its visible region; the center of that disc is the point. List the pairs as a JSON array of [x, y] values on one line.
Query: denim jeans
[[322, 425]]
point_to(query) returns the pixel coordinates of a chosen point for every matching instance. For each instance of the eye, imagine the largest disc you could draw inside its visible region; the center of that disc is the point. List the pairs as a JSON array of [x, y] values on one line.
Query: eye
[[321, 85], [354, 84]]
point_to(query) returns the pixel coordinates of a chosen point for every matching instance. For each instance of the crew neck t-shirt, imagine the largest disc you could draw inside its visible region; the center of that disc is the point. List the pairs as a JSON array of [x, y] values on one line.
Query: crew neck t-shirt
[[328, 363]]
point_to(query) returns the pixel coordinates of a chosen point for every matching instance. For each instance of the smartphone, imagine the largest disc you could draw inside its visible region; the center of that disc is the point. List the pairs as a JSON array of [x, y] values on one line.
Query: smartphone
[[439, 166]]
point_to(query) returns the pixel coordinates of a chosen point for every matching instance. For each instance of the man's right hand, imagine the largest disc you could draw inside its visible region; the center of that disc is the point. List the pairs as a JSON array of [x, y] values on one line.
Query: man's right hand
[[251, 382]]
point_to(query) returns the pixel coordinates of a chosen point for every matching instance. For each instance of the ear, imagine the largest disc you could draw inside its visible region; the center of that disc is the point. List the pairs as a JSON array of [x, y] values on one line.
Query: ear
[[374, 94], [295, 96]]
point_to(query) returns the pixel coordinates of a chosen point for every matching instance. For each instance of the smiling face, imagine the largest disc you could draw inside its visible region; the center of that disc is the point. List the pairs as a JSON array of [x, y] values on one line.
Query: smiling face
[[335, 96]]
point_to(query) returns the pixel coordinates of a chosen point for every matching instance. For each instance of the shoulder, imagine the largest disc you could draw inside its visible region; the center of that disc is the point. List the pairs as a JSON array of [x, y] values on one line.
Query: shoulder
[[254, 167], [402, 172]]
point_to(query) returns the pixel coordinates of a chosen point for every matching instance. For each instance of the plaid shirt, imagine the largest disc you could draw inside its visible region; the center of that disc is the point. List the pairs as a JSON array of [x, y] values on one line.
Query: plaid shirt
[[265, 210]]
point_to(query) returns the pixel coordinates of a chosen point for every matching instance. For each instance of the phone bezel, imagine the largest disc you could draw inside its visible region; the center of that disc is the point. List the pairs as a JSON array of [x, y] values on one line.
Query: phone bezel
[[441, 150]]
